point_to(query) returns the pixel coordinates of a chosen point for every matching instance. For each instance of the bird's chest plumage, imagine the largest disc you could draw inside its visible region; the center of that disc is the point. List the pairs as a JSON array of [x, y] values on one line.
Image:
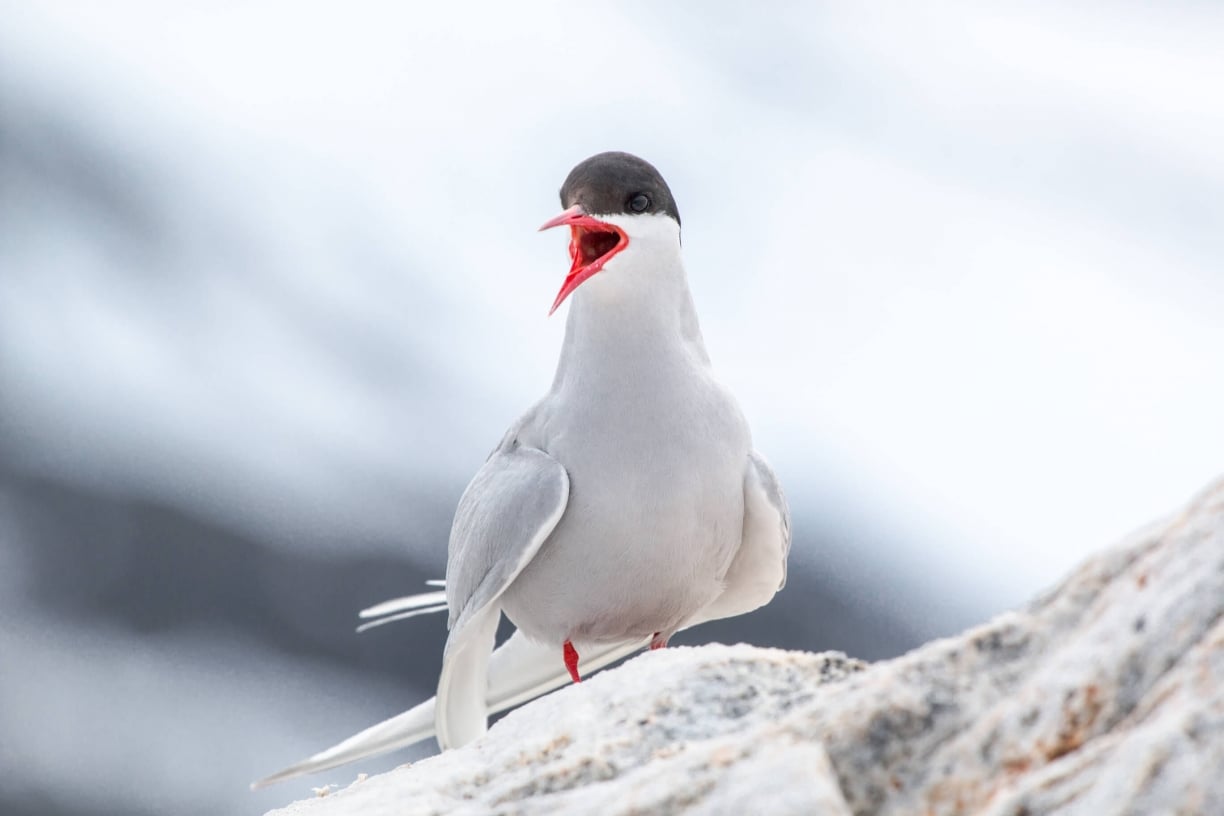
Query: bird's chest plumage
[[655, 510]]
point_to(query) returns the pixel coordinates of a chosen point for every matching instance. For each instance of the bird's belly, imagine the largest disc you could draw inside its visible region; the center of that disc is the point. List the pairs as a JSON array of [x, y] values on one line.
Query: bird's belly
[[639, 550]]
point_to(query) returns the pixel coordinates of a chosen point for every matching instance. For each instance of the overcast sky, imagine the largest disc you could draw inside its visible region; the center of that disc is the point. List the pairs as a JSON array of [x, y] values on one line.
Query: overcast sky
[[963, 265]]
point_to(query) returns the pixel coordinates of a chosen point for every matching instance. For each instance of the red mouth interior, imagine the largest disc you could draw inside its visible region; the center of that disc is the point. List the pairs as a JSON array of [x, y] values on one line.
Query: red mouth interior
[[592, 244], [588, 245]]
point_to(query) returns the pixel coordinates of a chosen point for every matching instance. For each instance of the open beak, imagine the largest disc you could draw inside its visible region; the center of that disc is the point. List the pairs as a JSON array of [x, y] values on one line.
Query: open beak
[[592, 244]]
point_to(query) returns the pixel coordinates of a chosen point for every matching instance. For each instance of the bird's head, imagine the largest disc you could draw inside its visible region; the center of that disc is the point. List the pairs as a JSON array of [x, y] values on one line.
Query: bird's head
[[612, 201]]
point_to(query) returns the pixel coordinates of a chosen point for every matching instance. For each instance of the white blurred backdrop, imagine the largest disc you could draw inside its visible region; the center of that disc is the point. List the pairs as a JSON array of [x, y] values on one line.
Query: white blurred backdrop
[[270, 289]]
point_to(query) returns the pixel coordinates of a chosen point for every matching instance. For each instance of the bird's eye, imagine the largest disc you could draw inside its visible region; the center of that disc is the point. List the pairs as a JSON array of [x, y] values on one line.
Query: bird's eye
[[639, 203]]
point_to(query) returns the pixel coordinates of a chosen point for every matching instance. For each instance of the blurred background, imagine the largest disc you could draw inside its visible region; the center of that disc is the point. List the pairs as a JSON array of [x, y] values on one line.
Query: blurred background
[[270, 290]]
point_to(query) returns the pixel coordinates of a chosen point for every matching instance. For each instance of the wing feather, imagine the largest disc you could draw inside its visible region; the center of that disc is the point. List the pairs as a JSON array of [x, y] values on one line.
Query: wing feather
[[505, 515], [758, 570], [509, 509]]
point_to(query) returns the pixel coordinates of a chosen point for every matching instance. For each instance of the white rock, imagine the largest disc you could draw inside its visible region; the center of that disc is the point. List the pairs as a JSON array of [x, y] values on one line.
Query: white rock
[[1104, 696]]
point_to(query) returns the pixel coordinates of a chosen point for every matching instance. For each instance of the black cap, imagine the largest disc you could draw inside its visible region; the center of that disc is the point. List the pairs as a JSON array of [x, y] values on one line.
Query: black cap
[[616, 183]]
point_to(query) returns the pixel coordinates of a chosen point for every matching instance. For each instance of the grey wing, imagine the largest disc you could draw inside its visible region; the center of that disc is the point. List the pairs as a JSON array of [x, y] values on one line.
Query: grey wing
[[506, 513], [765, 505], [512, 505], [758, 570]]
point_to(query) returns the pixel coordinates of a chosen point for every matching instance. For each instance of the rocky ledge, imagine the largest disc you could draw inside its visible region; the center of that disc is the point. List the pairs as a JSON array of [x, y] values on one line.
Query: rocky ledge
[[1105, 696]]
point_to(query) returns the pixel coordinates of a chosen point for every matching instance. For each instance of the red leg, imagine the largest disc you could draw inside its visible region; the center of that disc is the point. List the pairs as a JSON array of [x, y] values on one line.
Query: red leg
[[571, 660], [657, 642]]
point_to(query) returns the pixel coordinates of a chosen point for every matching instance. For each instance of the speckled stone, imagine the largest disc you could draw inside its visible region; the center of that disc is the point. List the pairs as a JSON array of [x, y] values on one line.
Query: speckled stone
[[1106, 695]]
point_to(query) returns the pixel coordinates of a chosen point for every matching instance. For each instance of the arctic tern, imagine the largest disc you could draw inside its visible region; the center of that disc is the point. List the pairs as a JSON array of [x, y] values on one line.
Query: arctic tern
[[627, 504]]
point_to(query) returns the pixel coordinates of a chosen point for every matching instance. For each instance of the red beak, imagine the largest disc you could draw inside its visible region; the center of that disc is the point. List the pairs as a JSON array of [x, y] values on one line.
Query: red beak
[[592, 244]]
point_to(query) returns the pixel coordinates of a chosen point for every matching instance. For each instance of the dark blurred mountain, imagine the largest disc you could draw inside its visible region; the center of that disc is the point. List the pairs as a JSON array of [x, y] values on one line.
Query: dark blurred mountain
[[143, 567], [144, 572]]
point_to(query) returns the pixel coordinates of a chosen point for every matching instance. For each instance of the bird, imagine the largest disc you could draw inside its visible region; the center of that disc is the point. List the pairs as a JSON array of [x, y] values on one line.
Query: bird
[[627, 504]]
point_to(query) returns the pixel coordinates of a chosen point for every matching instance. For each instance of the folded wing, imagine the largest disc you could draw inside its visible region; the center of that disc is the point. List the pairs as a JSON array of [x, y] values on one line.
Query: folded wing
[[759, 568], [506, 513]]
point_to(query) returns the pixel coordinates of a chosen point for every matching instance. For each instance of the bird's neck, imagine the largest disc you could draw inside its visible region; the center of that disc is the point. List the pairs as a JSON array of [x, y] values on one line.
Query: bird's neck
[[634, 318]]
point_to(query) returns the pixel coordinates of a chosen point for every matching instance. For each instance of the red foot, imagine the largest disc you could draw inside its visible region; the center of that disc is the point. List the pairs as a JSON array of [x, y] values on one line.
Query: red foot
[[657, 642], [571, 660]]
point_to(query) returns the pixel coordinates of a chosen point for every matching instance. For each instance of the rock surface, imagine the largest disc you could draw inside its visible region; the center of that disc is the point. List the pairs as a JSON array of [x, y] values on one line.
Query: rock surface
[[1105, 696]]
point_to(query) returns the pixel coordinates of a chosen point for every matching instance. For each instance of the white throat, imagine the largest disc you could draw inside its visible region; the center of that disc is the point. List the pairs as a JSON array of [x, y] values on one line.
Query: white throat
[[637, 311]]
